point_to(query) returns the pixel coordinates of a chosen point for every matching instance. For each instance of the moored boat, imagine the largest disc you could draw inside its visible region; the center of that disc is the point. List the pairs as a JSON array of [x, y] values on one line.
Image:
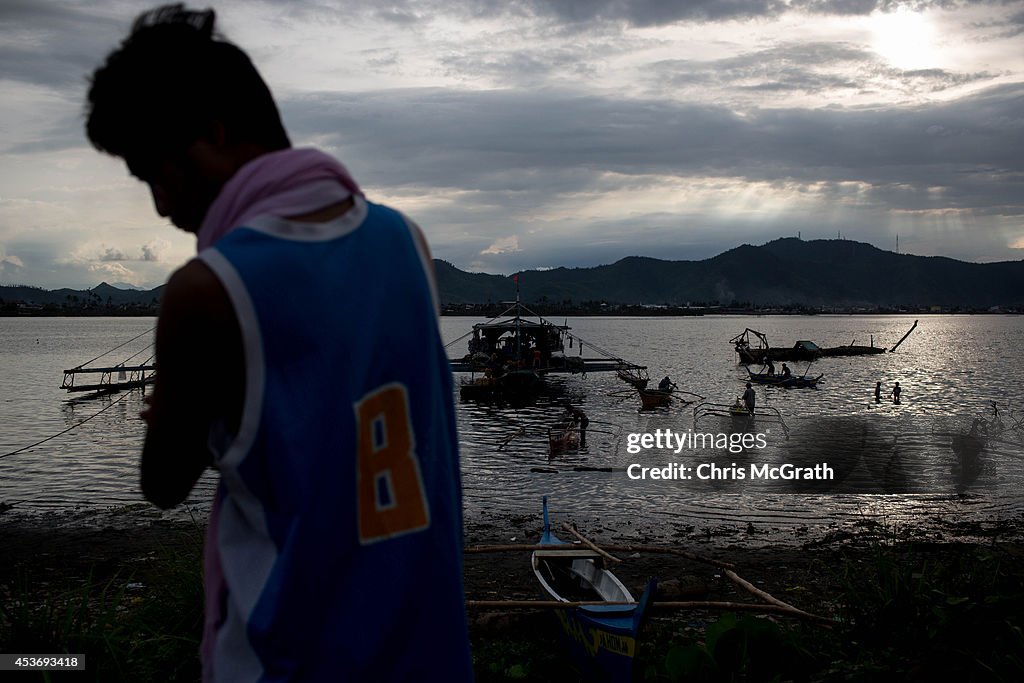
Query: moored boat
[[753, 348], [759, 351], [518, 352], [851, 350], [601, 637]]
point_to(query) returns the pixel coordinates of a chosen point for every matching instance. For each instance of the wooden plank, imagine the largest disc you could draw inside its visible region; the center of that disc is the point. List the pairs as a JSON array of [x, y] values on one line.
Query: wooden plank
[[116, 368]]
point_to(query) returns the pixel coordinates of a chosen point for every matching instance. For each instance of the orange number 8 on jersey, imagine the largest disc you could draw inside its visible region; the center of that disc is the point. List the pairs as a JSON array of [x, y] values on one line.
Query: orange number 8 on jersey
[[389, 487]]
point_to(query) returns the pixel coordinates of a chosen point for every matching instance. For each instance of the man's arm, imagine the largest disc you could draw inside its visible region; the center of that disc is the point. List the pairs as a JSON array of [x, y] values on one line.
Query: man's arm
[[200, 380]]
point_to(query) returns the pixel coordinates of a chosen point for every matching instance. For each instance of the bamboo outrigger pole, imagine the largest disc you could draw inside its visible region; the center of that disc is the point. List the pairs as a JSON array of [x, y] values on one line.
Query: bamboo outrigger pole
[[590, 545], [693, 605], [904, 336]]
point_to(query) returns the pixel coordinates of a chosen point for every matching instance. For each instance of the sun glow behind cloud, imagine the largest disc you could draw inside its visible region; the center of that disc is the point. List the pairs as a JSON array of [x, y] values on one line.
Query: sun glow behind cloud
[[905, 39]]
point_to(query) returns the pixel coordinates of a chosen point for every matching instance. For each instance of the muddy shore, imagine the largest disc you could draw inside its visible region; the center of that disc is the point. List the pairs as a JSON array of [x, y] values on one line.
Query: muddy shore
[[52, 556]]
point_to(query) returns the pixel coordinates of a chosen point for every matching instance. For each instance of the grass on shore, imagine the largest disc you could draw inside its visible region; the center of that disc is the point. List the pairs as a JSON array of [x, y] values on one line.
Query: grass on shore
[[142, 625], [902, 612]]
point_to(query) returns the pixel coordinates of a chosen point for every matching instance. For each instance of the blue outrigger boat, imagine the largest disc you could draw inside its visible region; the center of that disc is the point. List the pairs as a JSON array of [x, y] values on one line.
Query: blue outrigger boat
[[602, 638]]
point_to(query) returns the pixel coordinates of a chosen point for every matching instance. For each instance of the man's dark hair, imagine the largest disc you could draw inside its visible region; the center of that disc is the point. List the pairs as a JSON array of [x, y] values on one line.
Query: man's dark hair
[[169, 82]]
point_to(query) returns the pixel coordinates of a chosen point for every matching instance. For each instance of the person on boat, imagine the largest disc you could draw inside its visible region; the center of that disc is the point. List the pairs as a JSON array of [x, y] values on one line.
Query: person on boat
[[878, 392], [336, 443], [749, 398], [771, 366], [666, 384], [896, 393], [737, 408], [786, 372]]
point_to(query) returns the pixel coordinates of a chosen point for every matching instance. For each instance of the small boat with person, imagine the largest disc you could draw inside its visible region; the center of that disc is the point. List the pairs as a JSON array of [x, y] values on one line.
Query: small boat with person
[[737, 411], [602, 626], [654, 398], [664, 395], [790, 381]]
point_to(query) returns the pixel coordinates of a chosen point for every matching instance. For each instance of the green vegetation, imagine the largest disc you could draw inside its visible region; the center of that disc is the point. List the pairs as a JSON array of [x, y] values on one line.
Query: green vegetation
[[902, 611], [142, 625], [926, 615]]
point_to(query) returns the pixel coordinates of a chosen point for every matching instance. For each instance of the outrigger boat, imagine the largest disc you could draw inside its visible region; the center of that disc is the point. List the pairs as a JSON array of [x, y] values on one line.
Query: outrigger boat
[[516, 350], [760, 353], [737, 411], [654, 398], [601, 637], [753, 348], [634, 376], [791, 382], [662, 397]]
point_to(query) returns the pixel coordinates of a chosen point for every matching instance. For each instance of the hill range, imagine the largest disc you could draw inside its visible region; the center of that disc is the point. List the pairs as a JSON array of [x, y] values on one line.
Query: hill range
[[784, 272]]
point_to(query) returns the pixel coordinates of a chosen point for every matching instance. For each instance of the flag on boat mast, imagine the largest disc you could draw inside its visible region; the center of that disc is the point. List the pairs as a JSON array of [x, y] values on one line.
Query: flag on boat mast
[[515, 279]]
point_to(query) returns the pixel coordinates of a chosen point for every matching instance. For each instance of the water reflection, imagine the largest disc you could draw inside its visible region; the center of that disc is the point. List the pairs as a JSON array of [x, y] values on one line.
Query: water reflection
[[891, 460], [896, 462]]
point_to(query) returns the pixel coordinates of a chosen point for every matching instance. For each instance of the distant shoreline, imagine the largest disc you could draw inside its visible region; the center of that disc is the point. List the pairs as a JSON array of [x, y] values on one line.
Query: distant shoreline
[[490, 311]]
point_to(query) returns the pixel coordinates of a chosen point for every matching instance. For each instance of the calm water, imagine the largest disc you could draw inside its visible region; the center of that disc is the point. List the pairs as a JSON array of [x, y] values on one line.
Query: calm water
[[892, 462]]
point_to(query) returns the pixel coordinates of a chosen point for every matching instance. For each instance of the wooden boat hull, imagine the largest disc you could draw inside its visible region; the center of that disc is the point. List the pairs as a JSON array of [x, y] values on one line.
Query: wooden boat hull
[[751, 356], [654, 398], [518, 386], [601, 638], [791, 382], [563, 438], [840, 351]]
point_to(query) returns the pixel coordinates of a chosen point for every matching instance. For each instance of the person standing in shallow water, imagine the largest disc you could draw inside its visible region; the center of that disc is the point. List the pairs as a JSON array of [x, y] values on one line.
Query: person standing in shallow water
[[896, 391], [335, 443], [878, 392], [749, 398]]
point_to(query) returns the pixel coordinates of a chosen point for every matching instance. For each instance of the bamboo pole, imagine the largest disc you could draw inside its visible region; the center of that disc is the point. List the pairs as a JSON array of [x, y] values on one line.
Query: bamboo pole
[[472, 550], [693, 605], [670, 551], [654, 549], [913, 327], [589, 544], [767, 597]]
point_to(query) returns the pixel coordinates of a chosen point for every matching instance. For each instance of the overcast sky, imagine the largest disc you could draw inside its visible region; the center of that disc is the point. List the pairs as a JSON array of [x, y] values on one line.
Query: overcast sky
[[533, 134]]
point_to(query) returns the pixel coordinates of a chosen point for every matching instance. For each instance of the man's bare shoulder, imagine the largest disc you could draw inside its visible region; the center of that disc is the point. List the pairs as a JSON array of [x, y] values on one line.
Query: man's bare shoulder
[[195, 287]]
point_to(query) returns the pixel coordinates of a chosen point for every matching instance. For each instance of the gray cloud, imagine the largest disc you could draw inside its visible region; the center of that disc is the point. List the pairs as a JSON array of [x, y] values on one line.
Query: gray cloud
[[576, 15], [55, 43], [148, 252], [113, 254], [513, 158], [550, 143], [808, 67], [642, 13]]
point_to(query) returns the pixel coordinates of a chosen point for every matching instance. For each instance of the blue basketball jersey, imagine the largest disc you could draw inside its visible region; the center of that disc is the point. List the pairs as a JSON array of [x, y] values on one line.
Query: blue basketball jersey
[[340, 526]]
